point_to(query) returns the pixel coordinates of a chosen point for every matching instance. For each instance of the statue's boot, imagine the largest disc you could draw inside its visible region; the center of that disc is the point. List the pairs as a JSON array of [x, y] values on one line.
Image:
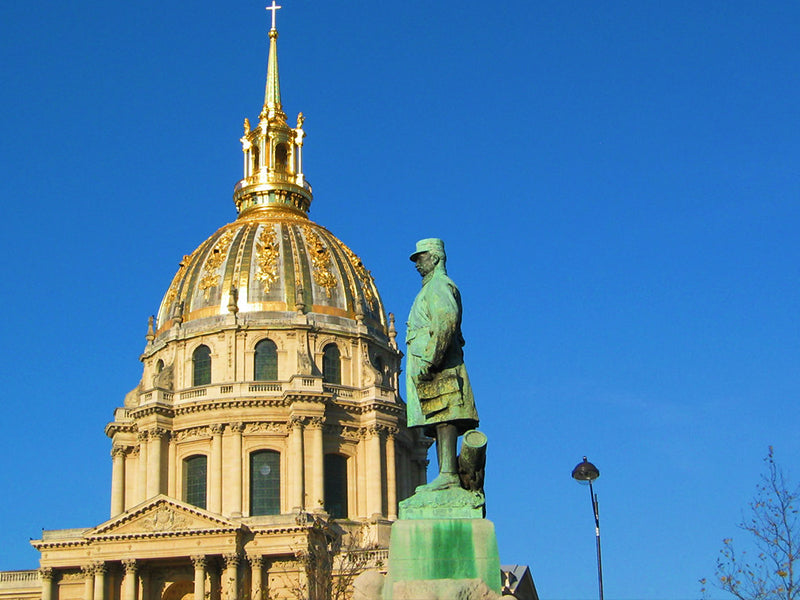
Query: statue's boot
[[446, 439]]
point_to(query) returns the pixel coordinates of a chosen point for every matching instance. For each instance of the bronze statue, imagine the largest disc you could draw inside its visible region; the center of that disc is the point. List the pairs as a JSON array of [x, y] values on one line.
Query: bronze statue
[[437, 386]]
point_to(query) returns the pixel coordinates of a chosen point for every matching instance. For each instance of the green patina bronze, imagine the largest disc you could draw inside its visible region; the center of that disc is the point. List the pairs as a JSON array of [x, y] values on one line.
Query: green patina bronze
[[438, 392], [437, 385], [442, 540]]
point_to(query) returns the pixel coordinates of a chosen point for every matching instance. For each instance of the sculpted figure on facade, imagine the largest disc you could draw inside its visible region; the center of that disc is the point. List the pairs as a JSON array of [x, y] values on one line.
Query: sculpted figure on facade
[[438, 391]]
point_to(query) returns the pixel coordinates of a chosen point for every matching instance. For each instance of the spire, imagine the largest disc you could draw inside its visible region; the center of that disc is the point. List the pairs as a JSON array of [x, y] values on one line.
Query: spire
[[272, 94], [273, 151]]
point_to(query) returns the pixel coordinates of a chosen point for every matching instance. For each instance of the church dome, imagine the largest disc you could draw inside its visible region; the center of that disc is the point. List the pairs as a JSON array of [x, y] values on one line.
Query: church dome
[[267, 262], [273, 261]]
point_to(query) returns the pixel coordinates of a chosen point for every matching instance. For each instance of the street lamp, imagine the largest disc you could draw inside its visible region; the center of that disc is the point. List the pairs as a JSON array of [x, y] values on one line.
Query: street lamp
[[585, 473]]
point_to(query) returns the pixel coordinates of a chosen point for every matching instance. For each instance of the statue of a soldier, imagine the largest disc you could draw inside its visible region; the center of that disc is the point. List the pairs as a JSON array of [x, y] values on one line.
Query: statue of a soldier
[[437, 387]]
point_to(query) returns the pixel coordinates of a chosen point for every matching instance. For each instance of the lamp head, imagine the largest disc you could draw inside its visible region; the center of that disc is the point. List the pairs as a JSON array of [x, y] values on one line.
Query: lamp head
[[585, 472]]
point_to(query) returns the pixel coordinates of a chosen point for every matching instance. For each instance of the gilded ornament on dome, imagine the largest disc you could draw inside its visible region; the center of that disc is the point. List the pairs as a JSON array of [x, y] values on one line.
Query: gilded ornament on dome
[[215, 259], [172, 292], [321, 260], [363, 274], [267, 254]]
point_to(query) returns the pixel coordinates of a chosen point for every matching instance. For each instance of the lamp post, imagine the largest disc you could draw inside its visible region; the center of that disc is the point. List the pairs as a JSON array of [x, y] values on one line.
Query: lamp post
[[585, 473]]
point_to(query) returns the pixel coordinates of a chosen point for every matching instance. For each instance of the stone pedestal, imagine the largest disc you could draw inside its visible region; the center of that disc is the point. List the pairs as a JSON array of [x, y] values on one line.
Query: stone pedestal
[[441, 549]]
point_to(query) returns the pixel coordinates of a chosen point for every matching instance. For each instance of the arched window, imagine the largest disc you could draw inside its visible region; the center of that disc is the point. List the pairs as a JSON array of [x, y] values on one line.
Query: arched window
[[331, 365], [281, 156], [336, 486], [159, 366], [195, 470], [266, 361], [256, 163], [265, 483], [201, 366]]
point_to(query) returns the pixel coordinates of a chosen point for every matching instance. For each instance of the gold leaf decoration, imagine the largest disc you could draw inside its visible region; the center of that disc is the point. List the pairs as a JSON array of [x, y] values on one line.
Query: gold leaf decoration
[[267, 254], [363, 274], [172, 292], [215, 259], [321, 261]]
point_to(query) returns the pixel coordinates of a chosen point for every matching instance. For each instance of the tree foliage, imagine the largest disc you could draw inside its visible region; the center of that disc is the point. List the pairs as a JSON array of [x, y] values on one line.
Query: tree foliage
[[771, 571]]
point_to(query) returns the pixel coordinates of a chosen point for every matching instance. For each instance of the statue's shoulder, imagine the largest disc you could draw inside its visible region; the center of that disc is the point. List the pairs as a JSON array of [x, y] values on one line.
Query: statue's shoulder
[[443, 280]]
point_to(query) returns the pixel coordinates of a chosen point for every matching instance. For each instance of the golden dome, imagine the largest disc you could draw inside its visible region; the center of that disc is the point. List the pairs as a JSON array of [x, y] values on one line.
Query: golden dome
[[268, 263]]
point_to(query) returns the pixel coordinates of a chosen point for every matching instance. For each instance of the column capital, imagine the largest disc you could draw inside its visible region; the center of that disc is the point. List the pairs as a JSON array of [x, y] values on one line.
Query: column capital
[[199, 561], [87, 569], [46, 573], [142, 436], [217, 428], [157, 433], [100, 568], [373, 430], [129, 564], [256, 562], [231, 560], [119, 451], [316, 422], [236, 427], [296, 421]]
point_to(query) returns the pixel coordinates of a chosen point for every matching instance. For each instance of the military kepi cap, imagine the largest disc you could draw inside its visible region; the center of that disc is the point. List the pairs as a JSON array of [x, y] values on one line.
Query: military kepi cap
[[428, 245]]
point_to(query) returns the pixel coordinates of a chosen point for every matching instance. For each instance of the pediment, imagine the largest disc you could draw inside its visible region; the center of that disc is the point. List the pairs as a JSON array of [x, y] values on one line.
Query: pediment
[[162, 515]]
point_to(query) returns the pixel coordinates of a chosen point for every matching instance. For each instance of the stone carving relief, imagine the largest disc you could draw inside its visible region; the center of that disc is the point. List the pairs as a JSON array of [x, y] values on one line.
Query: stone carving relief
[[271, 427], [164, 519], [192, 433], [165, 380]]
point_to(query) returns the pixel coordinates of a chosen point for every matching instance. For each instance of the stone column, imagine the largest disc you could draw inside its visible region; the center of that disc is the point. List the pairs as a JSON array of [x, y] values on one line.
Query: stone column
[[154, 462], [317, 492], [141, 471], [230, 585], [117, 481], [298, 485], [144, 582], [199, 577], [129, 579], [256, 585], [235, 466], [172, 455], [391, 476], [215, 470], [88, 582], [374, 473], [100, 570], [46, 579], [361, 473]]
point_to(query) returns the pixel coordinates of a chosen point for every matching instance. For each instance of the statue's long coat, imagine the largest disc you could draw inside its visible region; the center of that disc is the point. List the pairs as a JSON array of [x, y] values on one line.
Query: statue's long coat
[[433, 336]]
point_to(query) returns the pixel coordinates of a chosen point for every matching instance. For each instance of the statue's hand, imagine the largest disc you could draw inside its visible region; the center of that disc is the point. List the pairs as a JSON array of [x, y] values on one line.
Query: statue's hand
[[425, 372]]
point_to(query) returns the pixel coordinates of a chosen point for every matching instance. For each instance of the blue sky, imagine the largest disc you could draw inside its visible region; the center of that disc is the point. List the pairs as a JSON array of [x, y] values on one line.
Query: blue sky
[[617, 184]]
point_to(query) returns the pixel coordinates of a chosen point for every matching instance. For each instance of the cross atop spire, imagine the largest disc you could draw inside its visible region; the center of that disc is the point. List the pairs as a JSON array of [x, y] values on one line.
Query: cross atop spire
[[274, 8]]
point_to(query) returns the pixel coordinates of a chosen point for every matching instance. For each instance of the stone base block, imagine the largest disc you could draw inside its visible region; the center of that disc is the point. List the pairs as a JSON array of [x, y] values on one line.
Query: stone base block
[[442, 549], [443, 589]]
